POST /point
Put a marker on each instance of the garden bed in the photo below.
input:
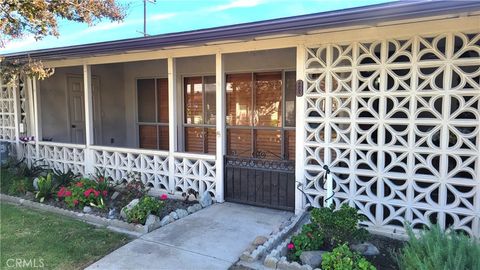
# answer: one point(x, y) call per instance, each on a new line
point(97, 199)
point(309, 244)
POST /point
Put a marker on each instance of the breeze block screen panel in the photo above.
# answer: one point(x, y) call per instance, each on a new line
point(398, 123)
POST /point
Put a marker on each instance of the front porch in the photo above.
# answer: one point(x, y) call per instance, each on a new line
point(158, 119)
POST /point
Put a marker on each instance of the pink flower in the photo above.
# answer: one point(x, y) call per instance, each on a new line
point(79, 184)
point(75, 202)
point(163, 197)
point(96, 193)
point(88, 192)
point(290, 246)
point(104, 193)
point(61, 192)
point(68, 193)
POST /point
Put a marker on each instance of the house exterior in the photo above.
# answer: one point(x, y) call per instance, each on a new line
point(387, 96)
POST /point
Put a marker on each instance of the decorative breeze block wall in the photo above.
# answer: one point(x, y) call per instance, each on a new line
point(398, 122)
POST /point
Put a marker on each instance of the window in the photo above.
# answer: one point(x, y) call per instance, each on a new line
point(152, 104)
point(261, 115)
point(200, 110)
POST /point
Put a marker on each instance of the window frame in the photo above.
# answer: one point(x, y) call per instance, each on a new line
point(157, 124)
point(203, 126)
point(254, 127)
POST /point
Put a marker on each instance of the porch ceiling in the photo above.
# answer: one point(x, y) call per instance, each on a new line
point(297, 25)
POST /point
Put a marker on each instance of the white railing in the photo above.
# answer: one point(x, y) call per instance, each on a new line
point(59, 156)
point(194, 171)
point(191, 171)
point(118, 163)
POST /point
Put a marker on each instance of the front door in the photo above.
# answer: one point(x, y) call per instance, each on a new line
point(260, 165)
point(76, 105)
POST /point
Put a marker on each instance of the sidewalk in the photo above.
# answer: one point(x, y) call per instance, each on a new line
point(213, 238)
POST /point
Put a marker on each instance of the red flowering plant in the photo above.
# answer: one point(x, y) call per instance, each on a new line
point(84, 192)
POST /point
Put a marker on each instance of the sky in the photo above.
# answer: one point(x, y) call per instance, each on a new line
point(168, 16)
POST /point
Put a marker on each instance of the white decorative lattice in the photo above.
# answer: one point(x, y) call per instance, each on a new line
point(152, 168)
point(60, 157)
point(398, 122)
point(7, 113)
point(195, 173)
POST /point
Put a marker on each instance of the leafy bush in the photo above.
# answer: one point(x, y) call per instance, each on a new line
point(20, 186)
point(45, 187)
point(310, 238)
point(135, 189)
point(342, 258)
point(435, 249)
point(84, 192)
point(23, 170)
point(146, 206)
point(63, 178)
point(339, 226)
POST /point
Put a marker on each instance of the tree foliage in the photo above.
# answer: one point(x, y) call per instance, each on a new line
point(38, 18)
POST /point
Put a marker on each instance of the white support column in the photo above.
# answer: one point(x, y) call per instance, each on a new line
point(220, 124)
point(17, 116)
point(89, 134)
point(172, 122)
point(300, 132)
point(37, 116)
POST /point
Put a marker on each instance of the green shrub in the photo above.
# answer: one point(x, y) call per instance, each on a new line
point(20, 186)
point(146, 206)
point(435, 250)
point(45, 187)
point(310, 238)
point(339, 226)
point(342, 258)
point(63, 178)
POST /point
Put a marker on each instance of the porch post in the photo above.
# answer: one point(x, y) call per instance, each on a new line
point(37, 116)
point(172, 122)
point(89, 135)
point(220, 124)
point(17, 116)
point(300, 132)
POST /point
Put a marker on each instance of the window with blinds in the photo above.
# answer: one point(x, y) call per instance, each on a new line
point(152, 113)
point(199, 114)
point(261, 115)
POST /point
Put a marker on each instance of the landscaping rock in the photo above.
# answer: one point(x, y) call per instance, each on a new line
point(270, 262)
point(295, 266)
point(129, 206)
point(173, 215)
point(366, 249)
point(197, 207)
point(87, 209)
point(112, 214)
point(151, 220)
point(260, 240)
point(115, 195)
point(312, 258)
point(166, 220)
point(191, 198)
point(191, 209)
point(35, 183)
point(29, 195)
point(181, 213)
point(206, 199)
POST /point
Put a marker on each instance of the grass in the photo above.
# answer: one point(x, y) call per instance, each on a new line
point(55, 241)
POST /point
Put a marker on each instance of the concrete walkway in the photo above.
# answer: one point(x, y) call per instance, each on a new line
point(213, 238)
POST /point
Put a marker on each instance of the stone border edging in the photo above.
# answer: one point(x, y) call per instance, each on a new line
point(276, 259)
point(273, 240)
point(116, 225)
